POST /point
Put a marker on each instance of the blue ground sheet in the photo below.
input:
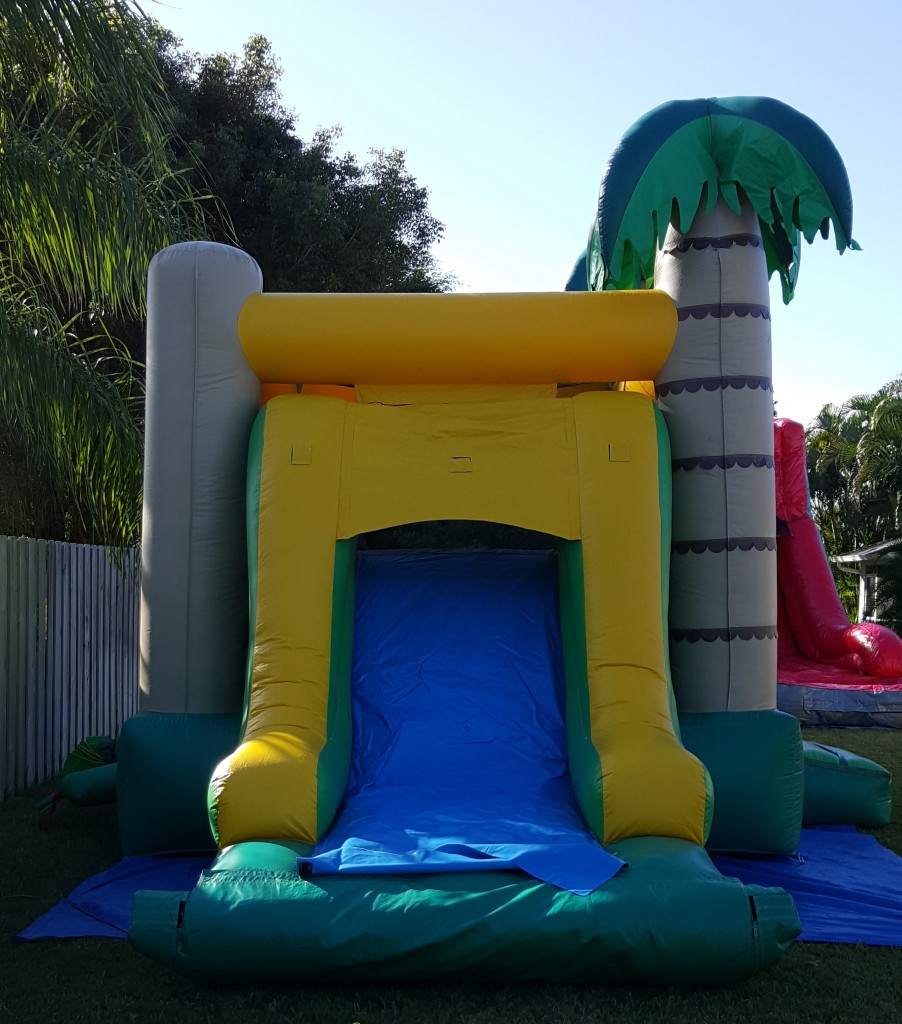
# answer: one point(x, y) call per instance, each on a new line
point(847, 887)
point(459, 761)
point(102, 906)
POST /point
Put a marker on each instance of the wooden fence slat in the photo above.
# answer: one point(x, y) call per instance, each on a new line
point(114, 595)
point(76, 705)
point(55, 658)
point(65, 626)
point(105, 576)
point(26, 717)
point(29, 675)
point(76, 642)
point(93, 675)
point(83, 680)
point(88, 680)
point(5, 679)
point(15, 670)
point(99, 725)
point(118, 618)
point(43, 706)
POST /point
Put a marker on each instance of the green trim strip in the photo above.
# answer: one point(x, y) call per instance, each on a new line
point(665, 504)
point(335, 757)
point(585, 762)
point(254, 471)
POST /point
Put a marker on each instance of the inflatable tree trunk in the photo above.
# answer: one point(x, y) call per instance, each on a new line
point(716, 396)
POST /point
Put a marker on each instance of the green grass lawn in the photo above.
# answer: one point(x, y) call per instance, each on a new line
point(102, 981)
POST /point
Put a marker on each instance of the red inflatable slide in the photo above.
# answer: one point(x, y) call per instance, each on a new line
point(829, 672)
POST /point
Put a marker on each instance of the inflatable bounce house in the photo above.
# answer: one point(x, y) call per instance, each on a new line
point(505, 753)
point(828, 671)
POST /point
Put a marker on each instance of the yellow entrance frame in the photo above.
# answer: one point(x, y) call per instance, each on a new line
point(585, 469)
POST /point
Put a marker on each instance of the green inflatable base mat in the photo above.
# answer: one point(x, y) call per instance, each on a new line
point(669, 918)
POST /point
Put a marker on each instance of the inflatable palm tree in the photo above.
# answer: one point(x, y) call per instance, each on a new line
point(706, 199)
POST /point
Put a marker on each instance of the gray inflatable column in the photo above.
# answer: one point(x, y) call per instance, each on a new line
point(716, 396)
point(201, 401)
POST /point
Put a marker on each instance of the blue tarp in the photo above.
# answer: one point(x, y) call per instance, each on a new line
point(102, 906)
point(460, 752)
point(847, 887)
point(472, 641)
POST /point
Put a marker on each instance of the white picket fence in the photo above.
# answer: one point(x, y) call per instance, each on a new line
point(68, 653)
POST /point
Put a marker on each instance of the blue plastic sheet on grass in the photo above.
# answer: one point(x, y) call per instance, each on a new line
point(495, 791)
point(846, 886)
point(459, 756)
point(102, 906)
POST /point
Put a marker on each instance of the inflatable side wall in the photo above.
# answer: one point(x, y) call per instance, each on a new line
point(201, 401)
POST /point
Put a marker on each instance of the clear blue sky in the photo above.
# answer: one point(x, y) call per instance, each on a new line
point(509, 110)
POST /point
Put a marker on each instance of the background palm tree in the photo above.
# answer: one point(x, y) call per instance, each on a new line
point(706, 199)
point(879, 475)
point(88, 193)
point(855, 477)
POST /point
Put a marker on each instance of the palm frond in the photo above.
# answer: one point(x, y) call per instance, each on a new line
point(691, 152)
point(70, 443)
point(827, 420)
point(887, 415)
point(83, 226)
point(92, 53)
point(89, 190)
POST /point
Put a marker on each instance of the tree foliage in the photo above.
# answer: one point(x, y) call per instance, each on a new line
point(855, 476)
point(314, 219)
point(88, 181)
point(112, 140)
point(72, 468)
point(89, 190)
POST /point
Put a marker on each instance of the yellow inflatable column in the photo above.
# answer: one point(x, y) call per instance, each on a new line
point(651, 785)
point(281, 782)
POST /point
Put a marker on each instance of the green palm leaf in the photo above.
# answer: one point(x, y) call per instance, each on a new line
point(88, 187)
point(70, 439)
point(685, 153)
point(89, 192)
point(92, 55)
point(82, 226)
